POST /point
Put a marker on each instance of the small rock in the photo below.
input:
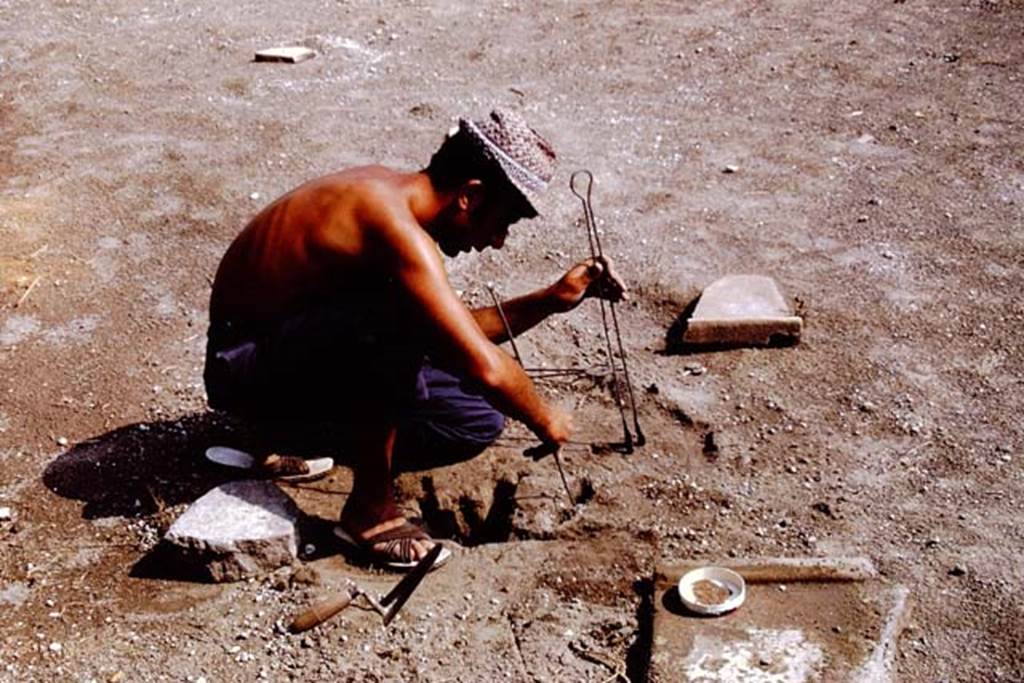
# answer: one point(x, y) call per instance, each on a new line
point(116, 677)
point(254, 196)
point(958, 570)
point(304, 575)
point(56, 647)
point(5, 514)
point(824, 508)
point(62, 441)
point(862, 218)
point(730, 168)
point(237, 530)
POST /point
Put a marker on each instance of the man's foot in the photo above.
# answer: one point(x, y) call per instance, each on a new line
point(396, 543)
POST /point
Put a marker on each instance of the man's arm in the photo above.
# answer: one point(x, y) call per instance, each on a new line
point(592, 277)
point(454, 337)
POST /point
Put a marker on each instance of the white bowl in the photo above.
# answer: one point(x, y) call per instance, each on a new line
point(719, 576)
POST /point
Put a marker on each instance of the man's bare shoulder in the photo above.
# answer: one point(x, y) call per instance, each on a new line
point(351, 185)
point(361, 212)
point(381, 206)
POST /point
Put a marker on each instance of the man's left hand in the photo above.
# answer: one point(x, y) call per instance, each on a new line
point(593, 277)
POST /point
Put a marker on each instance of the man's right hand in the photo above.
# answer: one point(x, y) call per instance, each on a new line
point(558, 428)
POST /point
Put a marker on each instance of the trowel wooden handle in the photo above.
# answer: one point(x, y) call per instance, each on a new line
point(320, 612)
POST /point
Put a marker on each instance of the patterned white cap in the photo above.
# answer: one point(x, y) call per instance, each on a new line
point(527, 159)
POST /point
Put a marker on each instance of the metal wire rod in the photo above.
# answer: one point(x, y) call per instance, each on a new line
point(504, 321)
point(597, 254)
point(567, 371)
point(561, 472)
point(519, 359)
point(640, 438)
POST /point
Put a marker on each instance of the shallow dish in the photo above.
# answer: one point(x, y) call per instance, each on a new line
point(712, 590)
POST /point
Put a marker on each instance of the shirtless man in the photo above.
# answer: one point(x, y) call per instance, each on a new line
point(334, 304)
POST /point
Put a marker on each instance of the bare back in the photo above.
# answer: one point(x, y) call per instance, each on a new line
point(307, 248)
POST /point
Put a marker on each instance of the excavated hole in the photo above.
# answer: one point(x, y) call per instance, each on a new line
point(587, 491)
point(710, 447)
point(472, 529)
point(585, 494)
point(464, 523)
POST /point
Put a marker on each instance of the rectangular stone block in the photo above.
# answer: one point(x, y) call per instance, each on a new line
point(803, 620)
point(741, 310)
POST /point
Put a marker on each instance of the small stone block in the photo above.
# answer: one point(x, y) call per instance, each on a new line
point(742, 310)
point(237, 530)
point(291, 55)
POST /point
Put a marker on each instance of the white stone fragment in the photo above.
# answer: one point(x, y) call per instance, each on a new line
point(237, 530)
point(291, 55)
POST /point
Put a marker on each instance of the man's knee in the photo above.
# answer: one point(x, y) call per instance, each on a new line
point(485, 427)
point(458, 434)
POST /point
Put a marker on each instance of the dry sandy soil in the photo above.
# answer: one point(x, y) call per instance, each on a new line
point(880, 181)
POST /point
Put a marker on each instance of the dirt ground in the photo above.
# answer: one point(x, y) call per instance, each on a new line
point(879, 179)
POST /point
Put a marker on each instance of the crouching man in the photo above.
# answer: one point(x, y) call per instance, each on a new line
point(333, 304)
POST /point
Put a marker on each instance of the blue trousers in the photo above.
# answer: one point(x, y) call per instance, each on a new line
point(336, 366)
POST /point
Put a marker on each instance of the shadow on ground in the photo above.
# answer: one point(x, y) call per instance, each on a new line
point(140, 469)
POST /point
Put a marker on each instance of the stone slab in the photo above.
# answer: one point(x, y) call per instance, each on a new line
point(291, 55)
point(237, 530)
point(826, 621)
point(742, 310)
